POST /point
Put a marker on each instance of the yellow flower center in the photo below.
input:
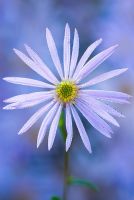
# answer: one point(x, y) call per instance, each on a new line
point(66, 91)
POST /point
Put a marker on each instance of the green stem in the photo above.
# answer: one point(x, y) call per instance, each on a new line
point(66, 159)
point(66, 155)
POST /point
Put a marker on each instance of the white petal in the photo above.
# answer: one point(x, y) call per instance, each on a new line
point(94, 119)
point(34, 96)
point(66, 50)
point(113, 96)
point(81, 129)
point(47, 74)
point(53, 52)
point(86, 56)
point(28, 82)
point(92, 64)
point(35, 117)
point(104, 77)
point(95, 106)
point(53, 127)
point(47, 120)
point(69, 128)
point(75, 53)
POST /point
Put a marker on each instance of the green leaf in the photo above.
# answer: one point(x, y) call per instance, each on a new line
point(81, 182)
point(55, 198)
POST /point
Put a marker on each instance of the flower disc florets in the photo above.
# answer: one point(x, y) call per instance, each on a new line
point(66, 91)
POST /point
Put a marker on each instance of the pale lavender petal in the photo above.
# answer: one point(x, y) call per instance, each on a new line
point(26, 104)
point(28, 82)
point(34, 96)
point(53, 52)
point(66, 55)
point(35, 117)
point(47, 120)
point(106, 107)
point(95, 106)
point(81, 129)
point(10, 106)
point(86, 56)
point(103, 77)
point(47, 74)
point(112, 96)
point(53, 127)
point(94, 119)
point(75, 53)
point(28, 62)
point(69, 127)
point(110, 110)
point(92, 64)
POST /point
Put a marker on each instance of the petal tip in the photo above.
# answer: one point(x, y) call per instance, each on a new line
point(38, 144)
point(20, 132)
point(26, 46)
point(15, 50)
point(49, 148)
point(89, 150)
point(115, 46)
point(5, 101)
point(4, 108)
point(100, 40)
point(47, 30)
point(118, 125)
point(109, 136)
point(67, 26)
point(5, 78)
point(67, 148)
point(125, 69)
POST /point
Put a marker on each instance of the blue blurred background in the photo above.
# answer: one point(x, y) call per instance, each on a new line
point(27, 173)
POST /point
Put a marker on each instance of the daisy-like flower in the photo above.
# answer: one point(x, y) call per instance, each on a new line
point(69, 91)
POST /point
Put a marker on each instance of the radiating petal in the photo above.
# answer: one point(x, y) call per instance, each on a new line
point(94, 119)
point(35, 117)
point(29, 62)
point(35, 67)
point(112, 96)
point(47, 120)
point(92, 64)
point(75, 53)
point(28, 82)
point(86, 56)
point(103, 77)
point(81, 129)
point(47, 74)
point(30, 97)
point(110, 110)
point(66, 50)
point(53, 127)
point(53, 52)
point(26, 104)
point(106, 107)
point(69, 127)
point(95, 106)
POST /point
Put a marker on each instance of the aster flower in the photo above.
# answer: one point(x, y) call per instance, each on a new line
point(69, 91)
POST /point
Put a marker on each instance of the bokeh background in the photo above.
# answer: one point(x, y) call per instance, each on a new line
point(27, 173)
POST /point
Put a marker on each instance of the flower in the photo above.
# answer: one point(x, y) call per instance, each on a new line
point(70, 91)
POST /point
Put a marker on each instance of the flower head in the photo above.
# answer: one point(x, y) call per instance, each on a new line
point(70, 92)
